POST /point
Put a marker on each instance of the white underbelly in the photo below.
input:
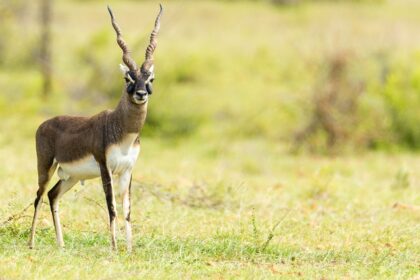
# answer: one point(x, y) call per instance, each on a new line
point(85, 168)
point(120, 158)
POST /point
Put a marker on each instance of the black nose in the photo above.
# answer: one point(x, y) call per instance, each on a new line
point(141, 94)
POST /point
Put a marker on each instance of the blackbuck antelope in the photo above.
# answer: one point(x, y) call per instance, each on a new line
point(105, 145)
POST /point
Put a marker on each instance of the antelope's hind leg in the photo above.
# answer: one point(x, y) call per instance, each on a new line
point(60, 188)
point(45, 172)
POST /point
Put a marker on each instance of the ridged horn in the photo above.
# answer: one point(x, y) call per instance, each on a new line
point(153, 42)
point(131, 64)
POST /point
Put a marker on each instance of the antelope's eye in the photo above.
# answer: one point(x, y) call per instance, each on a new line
point(126, 79)
point(152, 80)
point(149, 88)
point(130, 88)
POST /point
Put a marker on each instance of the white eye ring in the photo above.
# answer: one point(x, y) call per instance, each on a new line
point(129, 78)
point(151, 77)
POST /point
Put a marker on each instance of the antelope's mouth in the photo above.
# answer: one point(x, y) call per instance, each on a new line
point(140, 100)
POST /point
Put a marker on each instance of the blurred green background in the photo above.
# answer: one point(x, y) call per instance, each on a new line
point(281, 141)
point(310, 76)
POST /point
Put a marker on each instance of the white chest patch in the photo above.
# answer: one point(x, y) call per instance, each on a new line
point(122, 156)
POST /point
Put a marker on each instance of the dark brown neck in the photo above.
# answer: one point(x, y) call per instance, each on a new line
point(130, 117)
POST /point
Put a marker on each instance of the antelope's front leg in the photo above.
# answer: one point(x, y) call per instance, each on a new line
point(106, 177)
point(125, 187)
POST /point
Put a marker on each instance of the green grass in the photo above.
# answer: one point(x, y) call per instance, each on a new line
point(336, 216)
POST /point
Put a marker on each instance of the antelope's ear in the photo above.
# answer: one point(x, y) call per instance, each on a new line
point(124, 69)
point(126, 72)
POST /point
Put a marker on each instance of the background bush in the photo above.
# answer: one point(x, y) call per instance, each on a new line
point(231, 76)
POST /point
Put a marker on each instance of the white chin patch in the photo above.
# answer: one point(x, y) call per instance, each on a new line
point(139, 102)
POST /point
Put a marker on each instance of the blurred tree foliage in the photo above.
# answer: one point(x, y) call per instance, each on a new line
point(375, 112)
point(9, 12)
point(401, 93)
point(100, 76)
point(204, 90)
point(45, 45)
point(335, 107)
point(294, 2)
point(13, 23)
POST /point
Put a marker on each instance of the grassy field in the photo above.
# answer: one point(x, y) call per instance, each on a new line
point(207, 211)
point(217, 193)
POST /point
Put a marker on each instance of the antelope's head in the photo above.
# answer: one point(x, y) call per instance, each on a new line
point(138, 80)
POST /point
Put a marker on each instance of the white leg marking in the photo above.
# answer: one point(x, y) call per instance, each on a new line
point(124, 183)
point(113, 234)
point(39, 205)
point(33, 229)
point(109, 191)
point(64, 187)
